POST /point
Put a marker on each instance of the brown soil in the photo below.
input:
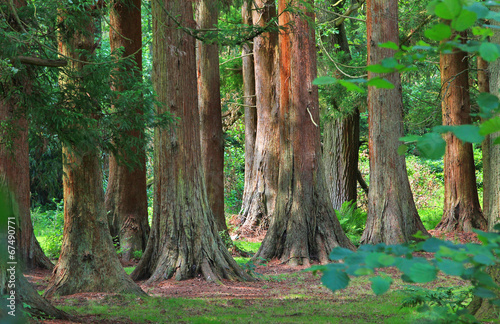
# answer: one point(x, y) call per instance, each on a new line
point(274, 287)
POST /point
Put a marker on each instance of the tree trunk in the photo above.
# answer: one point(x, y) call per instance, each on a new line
point(340, 156)
point(483, 84)
point(341, 139)
point(14, 168)
point(392, 215)
point(304, 226)
point(481, 308)
point(16, 292)
point(88, 261)
point(249, 99)
point(492, 192)
point(212, 142)
point(184, 241)
point(260, 190)
point(126, 198)
point(462, 211)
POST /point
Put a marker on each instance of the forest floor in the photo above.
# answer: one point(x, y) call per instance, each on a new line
point(283, 294)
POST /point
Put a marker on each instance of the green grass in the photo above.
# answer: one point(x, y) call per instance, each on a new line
point(356, 304)
point(430, 217)
point(251, 247)
point(129, 270)
point(288, 309)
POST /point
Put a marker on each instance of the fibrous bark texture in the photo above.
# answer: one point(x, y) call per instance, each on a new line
point(14, 165)
point(304, 226)
point(17, 293)
point(341, 137)
point(260, 188)
point(88, 261)
point(212, 143)
point(482, 308)
point(340, 156)
point(483, 85)
point(184, 241)
point(126, 198)
point(462, 211)
point(392, 215)
point(248, 71)
point(492, 191)
point(14, 170)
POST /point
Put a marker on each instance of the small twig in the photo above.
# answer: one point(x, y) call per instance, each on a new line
point(420, 26)
point(342, 17)
point(235, 58)
point(310, 115)
point(320, 42)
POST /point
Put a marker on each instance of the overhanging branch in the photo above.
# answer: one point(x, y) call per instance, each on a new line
point(41, 62)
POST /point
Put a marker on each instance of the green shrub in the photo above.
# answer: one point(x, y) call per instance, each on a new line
point(352, 220)
point(48, 227)
point(443, 304)
point(137, 254)
point(234, 168)
point(468, 261)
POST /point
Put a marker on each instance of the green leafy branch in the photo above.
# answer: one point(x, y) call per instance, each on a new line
point(467, 261)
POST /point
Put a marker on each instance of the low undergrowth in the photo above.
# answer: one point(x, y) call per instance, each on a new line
point(289, 309)
point(286, 297)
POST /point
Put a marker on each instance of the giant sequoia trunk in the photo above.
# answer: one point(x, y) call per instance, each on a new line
point(14, 169)
point(481, 307)
point(483, 85)
point(462, 211)
point(260, 188)
point(248, 71)
point(392, 215)
point(492, 194)
point(341, 138)
point(184, 241)
point(126, 198)
point(340, 156)
point(88, 261)
point(25, 297)
point(304, 226)
point(14, 166)
point(212, 146)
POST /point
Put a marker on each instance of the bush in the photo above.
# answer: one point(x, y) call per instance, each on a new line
point(48, 227)
point(234, 169)
point(471, 262)
point(352, 220)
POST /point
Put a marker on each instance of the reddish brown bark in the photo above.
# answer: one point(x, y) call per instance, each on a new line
point(249, 95)
point(212, 143)
point(184, 241)
point(483, 85)
point(126, 198)
point(260, 190)
point(25, 298)
point(482, 308)
point(341, 137)
point(462, 211)
point(340, 155)
point(88, 261)
point(491, 173)
point(14, 212)
point(304, 226)
point(392, 216)
point(14, 166)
